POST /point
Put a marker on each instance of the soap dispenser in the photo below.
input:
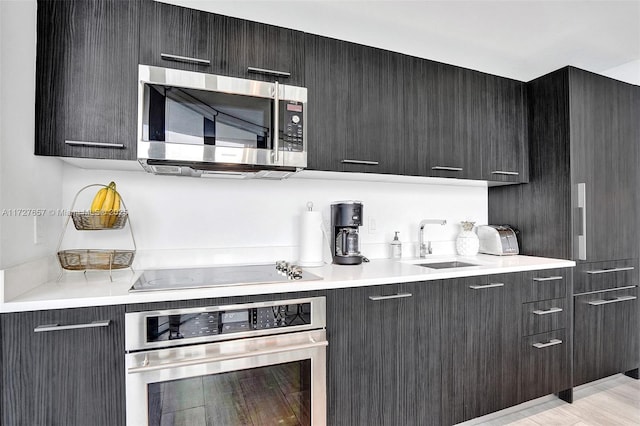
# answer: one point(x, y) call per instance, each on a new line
point(396, 247)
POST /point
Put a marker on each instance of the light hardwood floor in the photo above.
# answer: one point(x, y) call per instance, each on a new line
point(614, 401)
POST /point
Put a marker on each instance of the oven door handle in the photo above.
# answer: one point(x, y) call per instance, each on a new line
point(147, 366)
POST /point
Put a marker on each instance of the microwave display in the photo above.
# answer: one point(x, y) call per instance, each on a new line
point(203, 117)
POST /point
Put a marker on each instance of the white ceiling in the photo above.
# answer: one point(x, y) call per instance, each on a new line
point(511, 38)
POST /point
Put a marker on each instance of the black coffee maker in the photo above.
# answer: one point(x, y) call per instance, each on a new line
point(346, 218)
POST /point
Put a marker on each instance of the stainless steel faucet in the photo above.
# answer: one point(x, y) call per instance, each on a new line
point(426, 249)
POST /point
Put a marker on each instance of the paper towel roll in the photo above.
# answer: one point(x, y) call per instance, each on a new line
point(311, 242)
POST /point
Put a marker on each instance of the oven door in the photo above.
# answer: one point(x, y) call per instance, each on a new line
point(277, 379)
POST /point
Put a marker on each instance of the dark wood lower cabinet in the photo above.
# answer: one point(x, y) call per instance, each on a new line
point(606, 334)
point(384, 355)
point(480, 348)
point(63, 377)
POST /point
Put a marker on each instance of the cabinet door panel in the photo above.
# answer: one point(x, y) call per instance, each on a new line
point(545, 366)
point(169, 31)
point(604, 150)
point(383, 365)
point(606, 334)
point(326, 71)
point(480, 345)
point(65, 377)
point(86, 73)
point(505, 153)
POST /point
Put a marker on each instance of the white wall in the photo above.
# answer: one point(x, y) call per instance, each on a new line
point(180, 212)
point(26, 181)
point(629, 72)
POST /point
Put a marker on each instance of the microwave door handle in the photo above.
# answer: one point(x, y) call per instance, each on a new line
point(276, 121)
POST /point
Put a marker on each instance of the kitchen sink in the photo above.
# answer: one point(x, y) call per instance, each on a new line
point(446, 265)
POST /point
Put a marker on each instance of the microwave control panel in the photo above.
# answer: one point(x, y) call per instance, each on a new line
point(293, 127)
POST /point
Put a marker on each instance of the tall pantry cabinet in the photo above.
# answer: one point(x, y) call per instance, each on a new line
point(581, 204)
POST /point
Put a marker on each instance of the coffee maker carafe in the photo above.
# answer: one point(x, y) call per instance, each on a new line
point(346, 218)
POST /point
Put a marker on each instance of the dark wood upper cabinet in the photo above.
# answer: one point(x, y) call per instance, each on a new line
point(355, 101)
point(86, 72)
point(503, 130)
point(463, 123)
point(583, 136)
point(183, 38)
point(64, 377)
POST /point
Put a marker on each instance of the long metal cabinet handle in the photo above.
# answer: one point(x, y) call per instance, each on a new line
point(551, 342)
point(502, 172)
point(582, 236)
point(451, 169)
point(206, 360)
point(268, 72)
point(480, 287)
point(616, 300)
point(547, 312)
point(57, 327)
point(393, 296)
point(606, 271)
point(555, 278)
point(95, 144)
point(276, 121)
point(178, 58)
point(365, 162)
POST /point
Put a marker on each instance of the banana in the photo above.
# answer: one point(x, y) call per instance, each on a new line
point(98, 200)
point(115, 209)
point(107, 206)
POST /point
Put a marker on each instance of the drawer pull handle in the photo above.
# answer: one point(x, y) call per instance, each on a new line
point(57, 327)
point(365, 162)
point(548, 278)
point(188, 60)
point(606, 271)
point(95, 144)
point(393, 296)
point(616, 300)
point(551, 342)
point(547, 312)
point(268, 72)
point(480, 287)
point(501, 172)
point(448, 168)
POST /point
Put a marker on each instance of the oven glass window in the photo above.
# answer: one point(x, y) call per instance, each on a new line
point(273, 395)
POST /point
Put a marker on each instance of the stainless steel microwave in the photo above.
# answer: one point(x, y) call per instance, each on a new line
point(196, 124)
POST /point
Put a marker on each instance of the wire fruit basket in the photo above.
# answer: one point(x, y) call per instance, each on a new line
point(96, 259)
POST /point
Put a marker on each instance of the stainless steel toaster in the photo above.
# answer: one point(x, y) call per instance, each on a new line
point(499, 240)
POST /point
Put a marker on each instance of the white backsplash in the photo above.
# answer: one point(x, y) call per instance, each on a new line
point(178, 213)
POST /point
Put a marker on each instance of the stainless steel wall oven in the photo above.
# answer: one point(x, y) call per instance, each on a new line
point(247, 364)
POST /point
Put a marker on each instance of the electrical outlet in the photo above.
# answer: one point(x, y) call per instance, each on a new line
point(372, 226)
point(38, 230)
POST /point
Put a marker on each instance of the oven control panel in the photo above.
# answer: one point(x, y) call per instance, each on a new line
point(220, 321)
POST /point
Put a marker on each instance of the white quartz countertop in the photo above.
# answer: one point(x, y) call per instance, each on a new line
point(94, 288)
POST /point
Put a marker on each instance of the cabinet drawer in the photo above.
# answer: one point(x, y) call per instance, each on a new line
point(605, 334)
point(545, 364)
point(547, 284)
point(543, 316)
point(595, 276)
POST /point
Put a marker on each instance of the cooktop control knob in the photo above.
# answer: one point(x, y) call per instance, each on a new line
point(292, 272)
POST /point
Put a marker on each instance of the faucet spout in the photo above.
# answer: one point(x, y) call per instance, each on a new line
point(426, 248)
